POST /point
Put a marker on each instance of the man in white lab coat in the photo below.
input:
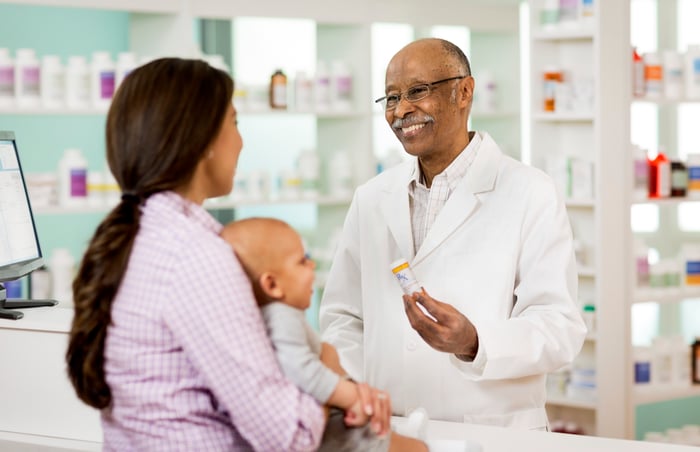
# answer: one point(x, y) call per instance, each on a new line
point(488, 239)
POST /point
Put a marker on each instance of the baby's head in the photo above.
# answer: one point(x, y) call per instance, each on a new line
point(273, 256)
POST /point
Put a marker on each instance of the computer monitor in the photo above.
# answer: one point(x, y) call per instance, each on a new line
point(20, 253)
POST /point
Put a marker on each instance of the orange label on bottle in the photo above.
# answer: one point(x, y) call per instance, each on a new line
point(653, 72)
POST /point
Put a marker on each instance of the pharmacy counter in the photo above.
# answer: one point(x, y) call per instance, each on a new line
point(39, 411)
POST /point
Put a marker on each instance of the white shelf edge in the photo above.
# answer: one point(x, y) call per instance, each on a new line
point(212, 205)
point(664, 100)
point(571, 402)
point(59, 111)
point(586, 271)
point(496, 114)
point(665, 295)
point(580, 203)
point(135, 6)
point(665, 201)
point(574, 33)
point(563, 117)
point(643, 394)
point(247, 111)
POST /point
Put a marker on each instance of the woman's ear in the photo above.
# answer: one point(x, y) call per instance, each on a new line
point(270, 286)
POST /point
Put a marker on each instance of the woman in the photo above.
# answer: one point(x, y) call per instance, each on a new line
point(167, 340)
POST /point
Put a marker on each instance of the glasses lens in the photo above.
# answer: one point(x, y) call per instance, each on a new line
point(417, 92)
point(391, 101)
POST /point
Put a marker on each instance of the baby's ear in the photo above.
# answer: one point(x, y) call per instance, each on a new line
point(270, 287)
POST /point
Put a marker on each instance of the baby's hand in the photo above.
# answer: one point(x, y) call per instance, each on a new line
point(355, 415)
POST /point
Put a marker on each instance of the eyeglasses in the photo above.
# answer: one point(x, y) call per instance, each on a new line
point(412, 94)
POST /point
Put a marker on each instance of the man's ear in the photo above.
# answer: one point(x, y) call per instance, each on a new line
point(268, 284)
point(467, 91)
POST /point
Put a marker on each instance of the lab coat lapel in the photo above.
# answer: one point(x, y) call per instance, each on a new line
point(396, 212)
point(463, 202)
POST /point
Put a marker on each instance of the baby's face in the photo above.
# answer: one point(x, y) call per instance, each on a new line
point(296, 271)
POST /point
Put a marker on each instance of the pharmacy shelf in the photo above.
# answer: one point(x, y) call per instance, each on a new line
point(339, 114)
point(59, 111)
point(665, 101)
point(665, 201)
point(643, 394)
point(559, 400)
point(556, 117)
point(580, 203)
point(142, 6)
point(242, 110)
point(565, 34)
point(666, 294)
point(214, 204)
point(586, 272)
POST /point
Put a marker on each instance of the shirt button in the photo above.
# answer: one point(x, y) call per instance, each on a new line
point(411, 345)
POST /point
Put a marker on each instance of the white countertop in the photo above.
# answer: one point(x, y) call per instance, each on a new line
point(46, 318)
point(57, 319)
point(491, 439)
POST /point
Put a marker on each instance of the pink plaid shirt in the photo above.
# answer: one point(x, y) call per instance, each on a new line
point(188, 359)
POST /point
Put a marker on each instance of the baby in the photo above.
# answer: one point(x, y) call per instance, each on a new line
point(282, 275)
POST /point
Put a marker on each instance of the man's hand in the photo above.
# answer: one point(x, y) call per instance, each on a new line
point(450, 332)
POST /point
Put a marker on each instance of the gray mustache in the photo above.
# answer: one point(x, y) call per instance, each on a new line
point(407, 122)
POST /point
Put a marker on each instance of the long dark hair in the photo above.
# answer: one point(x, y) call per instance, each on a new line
point(160, 124)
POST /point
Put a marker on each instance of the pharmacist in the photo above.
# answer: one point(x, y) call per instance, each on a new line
point(487, 238)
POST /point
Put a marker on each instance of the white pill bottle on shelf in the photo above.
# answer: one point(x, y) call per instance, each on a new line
point(126, 62)
point(77, 83)
point(7, 78)
point(27, 78)
point(102, 79)
point(52, 82)
point(72, 178)
point(691, 72)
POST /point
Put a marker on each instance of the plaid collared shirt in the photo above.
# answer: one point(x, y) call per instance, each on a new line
point(426, 203)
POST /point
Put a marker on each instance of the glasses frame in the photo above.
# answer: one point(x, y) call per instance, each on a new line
point(402, 95)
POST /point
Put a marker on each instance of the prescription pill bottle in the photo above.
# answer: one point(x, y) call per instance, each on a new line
point(404, 275)
point(551, 78)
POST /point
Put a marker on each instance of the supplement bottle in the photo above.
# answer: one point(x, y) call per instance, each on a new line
point(72, 178)
point(102, 79)
point(7, 78)
point(659, 176)
point(640, 189)
point(638, 89)
point(692, 72)
point(322, 87)
point(653, 75)
point(674, 87)
point(27, 78)
point(679, 178)
point(341, 86)
point(693, 167)
point(52, 82)
point(77, 82)
point(278, 90)
point(551, 78)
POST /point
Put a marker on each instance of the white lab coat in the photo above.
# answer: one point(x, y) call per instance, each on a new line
point(500, 251)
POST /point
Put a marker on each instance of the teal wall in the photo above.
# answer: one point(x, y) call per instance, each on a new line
point(657, 417)
point(42, 138)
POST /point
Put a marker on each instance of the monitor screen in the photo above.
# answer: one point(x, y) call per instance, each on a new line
point(20, 253)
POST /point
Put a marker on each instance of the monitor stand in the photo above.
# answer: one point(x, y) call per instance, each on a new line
point(7, 307)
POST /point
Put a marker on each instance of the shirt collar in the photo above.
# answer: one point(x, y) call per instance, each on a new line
point(456, 170)
point(173, 201)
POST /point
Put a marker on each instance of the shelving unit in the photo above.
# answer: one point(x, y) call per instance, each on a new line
point(590, 51)
point(603, 222)
point(344, 31)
